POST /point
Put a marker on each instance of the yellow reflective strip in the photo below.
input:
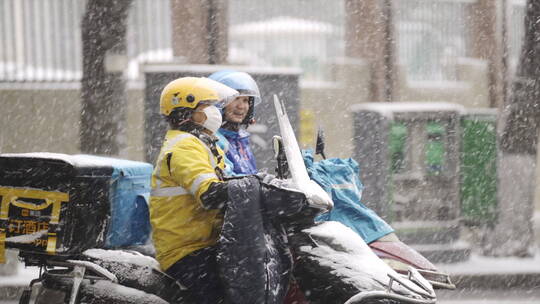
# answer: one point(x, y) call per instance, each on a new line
point(51, 243)
point(169, 191)
point(55, 214)
point(199, 180)
point(2, 246)
point(3, 216)
point(4, 208)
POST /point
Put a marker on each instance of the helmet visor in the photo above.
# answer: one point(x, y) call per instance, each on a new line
point(240, 81)
point(225, 94)
point(255, 95)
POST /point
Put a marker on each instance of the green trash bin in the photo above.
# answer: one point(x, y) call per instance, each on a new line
point(397, 140)
point(435, 148)
point(479, 167)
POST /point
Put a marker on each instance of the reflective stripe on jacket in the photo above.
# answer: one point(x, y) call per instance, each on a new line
point(184, 170)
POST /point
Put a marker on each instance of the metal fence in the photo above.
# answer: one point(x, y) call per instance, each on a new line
point(430, 36)
point(40, 40)
point(308, 34)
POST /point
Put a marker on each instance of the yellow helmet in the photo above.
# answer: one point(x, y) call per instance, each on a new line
point(189, 92)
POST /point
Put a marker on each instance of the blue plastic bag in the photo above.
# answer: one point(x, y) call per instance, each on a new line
point(339, 178)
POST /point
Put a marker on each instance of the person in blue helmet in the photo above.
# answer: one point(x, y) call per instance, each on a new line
point(237, 116)
point(234, 139)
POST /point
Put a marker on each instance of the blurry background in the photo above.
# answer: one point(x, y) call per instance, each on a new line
point(348, 51)
point(341, 53)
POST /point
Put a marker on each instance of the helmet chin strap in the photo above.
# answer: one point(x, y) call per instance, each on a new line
point(184, 121)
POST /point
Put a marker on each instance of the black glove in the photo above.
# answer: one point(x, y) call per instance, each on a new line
point(216, 196)
point(278, 199)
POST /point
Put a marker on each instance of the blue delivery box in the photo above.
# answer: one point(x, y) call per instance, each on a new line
point(59, 204)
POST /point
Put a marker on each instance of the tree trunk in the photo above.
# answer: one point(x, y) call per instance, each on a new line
point(518, 139)
point(205, 41)
point(369, 35)
point(103, 87)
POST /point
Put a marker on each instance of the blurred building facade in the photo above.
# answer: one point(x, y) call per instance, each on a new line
point(350, 51)
point(41, 39)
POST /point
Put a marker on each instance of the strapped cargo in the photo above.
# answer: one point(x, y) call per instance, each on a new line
point(60, 205)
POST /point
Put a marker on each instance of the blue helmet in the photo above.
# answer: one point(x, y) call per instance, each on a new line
point(244, 84)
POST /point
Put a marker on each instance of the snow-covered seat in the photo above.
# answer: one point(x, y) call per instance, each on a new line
point(138, 271)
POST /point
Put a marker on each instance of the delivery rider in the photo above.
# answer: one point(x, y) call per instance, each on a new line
point(188, 191)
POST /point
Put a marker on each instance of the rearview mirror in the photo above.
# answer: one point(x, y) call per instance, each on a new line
point(282, 169)
point(319, 146)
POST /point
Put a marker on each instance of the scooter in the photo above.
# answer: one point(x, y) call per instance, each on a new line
point(333, 264)
point(327, 266)
point(127, 276)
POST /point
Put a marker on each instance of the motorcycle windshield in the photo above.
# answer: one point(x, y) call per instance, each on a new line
point(225, 94)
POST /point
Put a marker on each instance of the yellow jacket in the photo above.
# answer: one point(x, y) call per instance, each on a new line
point(180, 225)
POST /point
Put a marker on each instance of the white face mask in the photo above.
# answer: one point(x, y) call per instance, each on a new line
point(213, 119)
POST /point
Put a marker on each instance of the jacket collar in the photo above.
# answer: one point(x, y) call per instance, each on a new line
point(242, 133)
